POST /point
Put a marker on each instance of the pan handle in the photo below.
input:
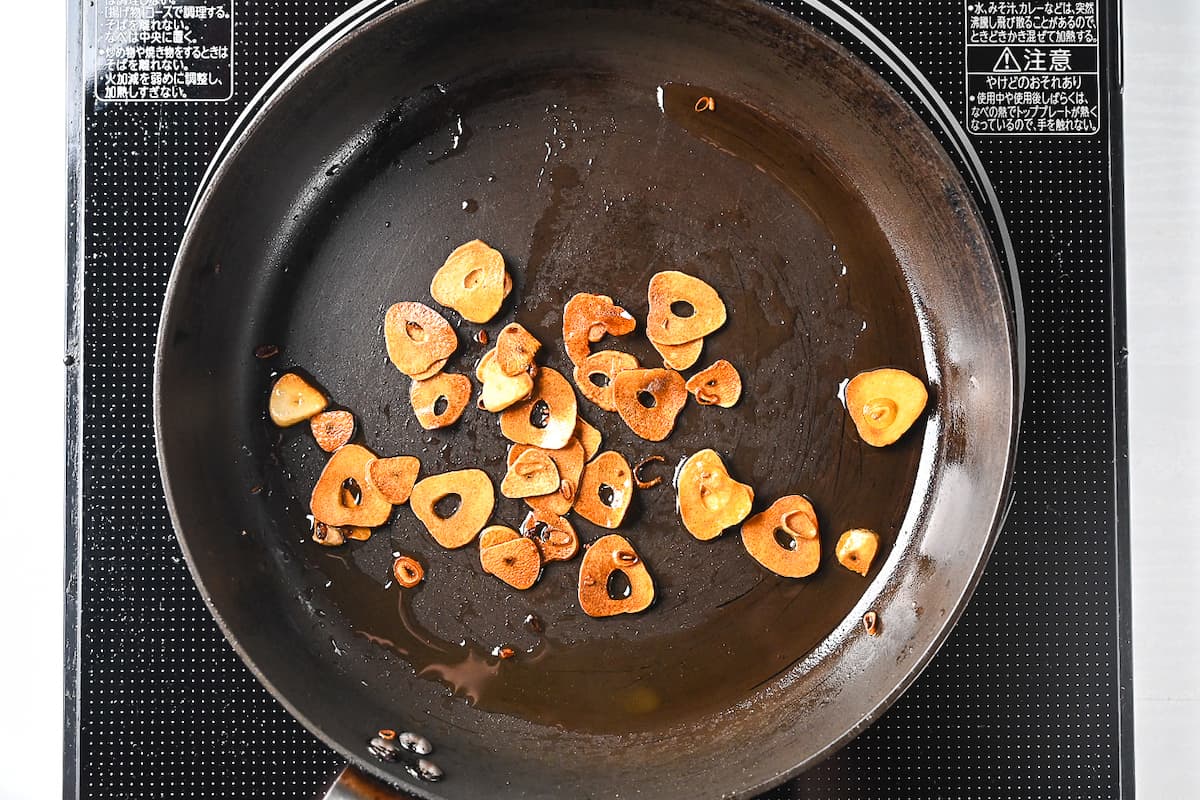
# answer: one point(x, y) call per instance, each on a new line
point(353, 784)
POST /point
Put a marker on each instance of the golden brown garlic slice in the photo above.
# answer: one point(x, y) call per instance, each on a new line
point(649, 400)
point(884, 403)
point(393, 477)
point(471, 281)
point(716, 385)
point(476, 499)
point(334, 535)
point(709, 500)
point(605, 490)
point(294, 400)
point(439, 401)
point(555, 537)
point(332, 429)
point(407, 571)
point(784, 538)
point(417, 339)
point(496, 534)
point(327, 535)
point(589, 437)
point(683, 309)
point(356, 532)
point(434, 369)
point(515, 561)
point(500, 390)
point(569, 460)
point(594, 376)
point(344, 495)
point(531, 474)
point(856, 549)
point(586, 320)
point(547, 417)
point(679, 356)
point(599, 594)
point(516, 349)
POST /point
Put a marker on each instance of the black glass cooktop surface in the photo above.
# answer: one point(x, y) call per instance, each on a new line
point(1029, 697)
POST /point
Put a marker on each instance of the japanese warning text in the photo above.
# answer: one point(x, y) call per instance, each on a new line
point(149, 50)
point(1033, 67)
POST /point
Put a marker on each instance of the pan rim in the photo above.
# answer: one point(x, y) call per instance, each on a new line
point(371, 13)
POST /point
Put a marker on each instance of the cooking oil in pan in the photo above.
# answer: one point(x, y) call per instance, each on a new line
point(801, 265)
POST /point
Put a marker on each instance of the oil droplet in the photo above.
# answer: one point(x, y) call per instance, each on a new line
point(427, 770)
point(415, 742)
point(640, 700)
point(470, 205)
point(384, 749)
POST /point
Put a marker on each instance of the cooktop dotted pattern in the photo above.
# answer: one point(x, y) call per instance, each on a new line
point(1028, 698)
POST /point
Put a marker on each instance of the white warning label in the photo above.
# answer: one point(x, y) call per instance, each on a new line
point(1033, 68)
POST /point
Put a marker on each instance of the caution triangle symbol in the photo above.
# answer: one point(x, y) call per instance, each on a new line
point(1007, 62)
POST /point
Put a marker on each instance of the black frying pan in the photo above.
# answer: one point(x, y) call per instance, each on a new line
point(565, 134)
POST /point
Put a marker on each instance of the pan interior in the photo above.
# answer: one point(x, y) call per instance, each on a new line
point(592, 182)
point(816, 203)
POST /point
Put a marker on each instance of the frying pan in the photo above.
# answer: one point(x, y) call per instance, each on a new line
point(840, 237)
